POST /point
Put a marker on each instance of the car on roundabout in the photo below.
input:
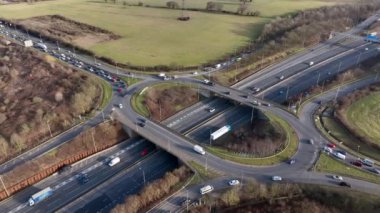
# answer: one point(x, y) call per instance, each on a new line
point(233, 182)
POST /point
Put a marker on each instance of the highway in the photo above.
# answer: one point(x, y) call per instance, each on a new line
point(328, 59)
point(128, 182)
point(66, 186)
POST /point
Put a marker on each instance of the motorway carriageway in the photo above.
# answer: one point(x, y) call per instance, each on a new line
point(66, 186)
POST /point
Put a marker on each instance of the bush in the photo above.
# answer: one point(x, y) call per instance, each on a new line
point(172, 5)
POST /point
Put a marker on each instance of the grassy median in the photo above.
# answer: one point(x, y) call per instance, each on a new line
point(290, 149)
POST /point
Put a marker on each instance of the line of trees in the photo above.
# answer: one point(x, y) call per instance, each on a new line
point(153, 191)
point(284, 34)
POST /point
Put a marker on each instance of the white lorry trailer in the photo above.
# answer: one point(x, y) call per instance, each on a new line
point(40, 196)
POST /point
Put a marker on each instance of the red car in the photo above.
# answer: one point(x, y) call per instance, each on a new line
point(119, 90)
point(332, 146)
point(357, 163)
point(144, 152)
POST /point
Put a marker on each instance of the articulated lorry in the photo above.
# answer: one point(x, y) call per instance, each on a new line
point(40, 196)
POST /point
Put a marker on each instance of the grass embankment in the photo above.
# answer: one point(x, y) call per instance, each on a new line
point(130, 81)
point(330, 165)
point(349, 140)
point(159, 38)
point(364, 116)
point(286, 154)
point(201, 174)
point(138, 104)
point(106, 93)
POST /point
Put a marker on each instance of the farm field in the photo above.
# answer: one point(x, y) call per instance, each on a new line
point(151, 36)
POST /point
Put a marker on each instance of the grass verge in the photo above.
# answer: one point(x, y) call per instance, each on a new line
point(341, 134)
point(130, 81)
point(330, 165)
point(106, 93)
point(286, 154)
point(201, 174)
point(138, 105)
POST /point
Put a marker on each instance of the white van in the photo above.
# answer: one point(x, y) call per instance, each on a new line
point(206, 189)
point(114, 161)
point(339, 155)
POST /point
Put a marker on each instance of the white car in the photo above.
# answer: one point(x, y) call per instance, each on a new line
point(277, 178)
point(121, 106)
point(336, 177)
point(211, 109)
point(195, 73)
point(233, 182)
point(282, 77)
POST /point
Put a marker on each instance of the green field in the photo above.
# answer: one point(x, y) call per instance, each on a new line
point(267, 8)
point(151, 36)
point(330, 165)
point(364, 117)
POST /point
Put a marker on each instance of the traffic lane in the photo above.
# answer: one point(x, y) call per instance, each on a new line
point(326, 179)
point(183, 122)
point(74, 189)
point(305, 68)
point(125, 183)
point(234, 117)
point(182, 148)
point(305, 80)
point(57, 178)
point(131, 152)
point(176, 203)
point(260, 79)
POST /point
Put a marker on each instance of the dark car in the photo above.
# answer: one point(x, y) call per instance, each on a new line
point(144, 152)
point(292, 161)
point(345, 184)
point(357, 163)
point(83, 178)
point(64, 169)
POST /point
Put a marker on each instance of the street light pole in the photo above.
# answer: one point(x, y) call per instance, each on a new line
point(5, 188)
point(287, 93)
point(51, 135)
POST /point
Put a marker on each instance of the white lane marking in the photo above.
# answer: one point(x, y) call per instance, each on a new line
point(77, 175)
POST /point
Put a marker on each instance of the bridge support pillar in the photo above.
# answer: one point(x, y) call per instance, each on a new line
point(131, 133)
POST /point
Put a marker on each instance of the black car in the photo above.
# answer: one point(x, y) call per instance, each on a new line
point(83, 178)
point(64, 169)
point(345, 184)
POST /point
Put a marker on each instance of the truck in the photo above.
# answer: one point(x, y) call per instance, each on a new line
point(199, 149)
point(40, 196)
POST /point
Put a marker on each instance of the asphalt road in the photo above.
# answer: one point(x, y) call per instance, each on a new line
point(128, 182)
point(66, 187)
point(167, 138)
